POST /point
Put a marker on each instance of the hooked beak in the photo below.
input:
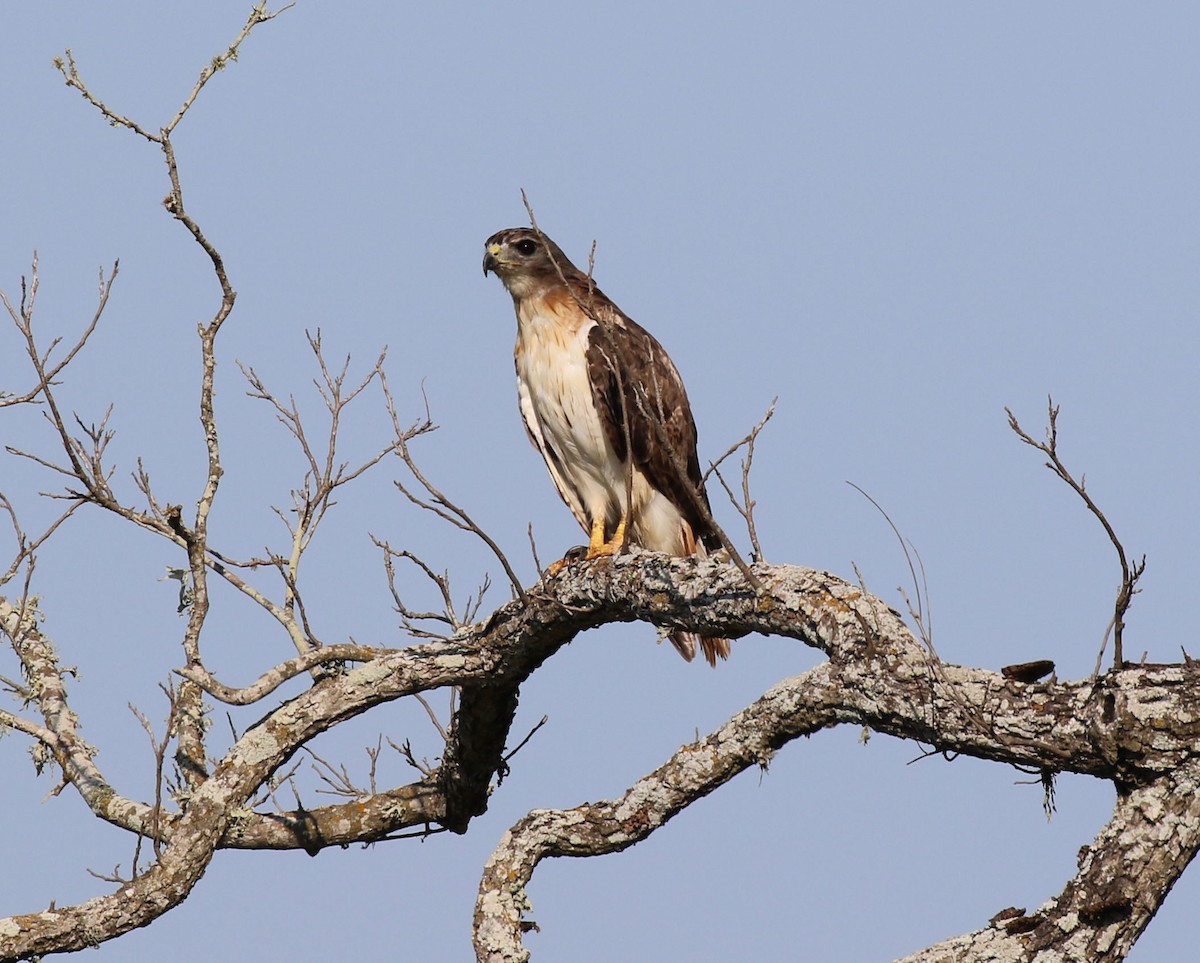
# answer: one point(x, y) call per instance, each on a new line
point(490, 262)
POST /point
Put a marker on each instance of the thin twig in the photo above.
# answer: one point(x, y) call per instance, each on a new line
point(745, 507)
point(1130, 573)
point(23, 319)
point(432, 716)
point(455, 515)
point(922, 615)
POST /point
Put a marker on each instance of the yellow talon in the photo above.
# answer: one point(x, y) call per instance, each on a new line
point(598, 547)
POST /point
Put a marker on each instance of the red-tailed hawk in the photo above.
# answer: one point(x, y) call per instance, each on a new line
point(594, 385)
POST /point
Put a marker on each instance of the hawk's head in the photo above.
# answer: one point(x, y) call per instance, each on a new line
point(525, 260)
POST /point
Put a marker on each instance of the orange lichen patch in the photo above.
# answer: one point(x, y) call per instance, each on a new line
point(838, 605)
point(636, 823)
point(27, 921)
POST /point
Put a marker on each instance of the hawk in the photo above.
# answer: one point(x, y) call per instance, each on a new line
point(607, 409)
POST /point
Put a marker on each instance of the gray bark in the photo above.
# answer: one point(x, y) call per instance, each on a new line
point(1135, 727)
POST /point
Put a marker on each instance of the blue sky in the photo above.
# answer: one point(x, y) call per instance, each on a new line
point(897, 218)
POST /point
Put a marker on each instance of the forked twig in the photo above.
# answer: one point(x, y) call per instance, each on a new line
point(1130, 573)
point(66, 66)
point(441, 505)
point(745, 507)
point(448, 615)
point(337, 778)
point(27, 547)
point(22, 317)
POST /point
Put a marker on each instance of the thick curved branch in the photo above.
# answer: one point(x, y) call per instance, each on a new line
point(363, 820)
point(272, 679)
point(879, 676)
point(1135, 726)
point(60, 730)
point(1124, 876)
point(749, 739)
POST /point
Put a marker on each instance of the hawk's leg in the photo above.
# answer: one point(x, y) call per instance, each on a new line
point(598, 547)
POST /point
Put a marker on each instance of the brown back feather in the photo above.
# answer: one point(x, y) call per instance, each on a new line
point(623, 354)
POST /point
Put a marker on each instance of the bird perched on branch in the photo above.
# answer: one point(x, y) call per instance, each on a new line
point(607, 409)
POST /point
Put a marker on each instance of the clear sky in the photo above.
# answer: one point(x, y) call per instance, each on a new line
point(899, 218)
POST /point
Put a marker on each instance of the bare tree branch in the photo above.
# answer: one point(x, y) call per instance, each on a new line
point(745, 507)
point(26, 547)
point(22, 318)
point(445, 509)
point(271, 680)
point(876, 676)
point(1129, 573)
point(862, 684)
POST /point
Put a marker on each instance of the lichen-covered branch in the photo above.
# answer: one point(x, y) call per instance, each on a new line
point(749, 739)
point(1123, 878)
point(1135, 726)
point(273, 678)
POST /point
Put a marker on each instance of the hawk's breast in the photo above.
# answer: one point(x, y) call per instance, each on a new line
point(559, 408)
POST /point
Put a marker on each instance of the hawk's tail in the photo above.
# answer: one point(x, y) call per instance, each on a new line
point(685, 645)
point(685, 642)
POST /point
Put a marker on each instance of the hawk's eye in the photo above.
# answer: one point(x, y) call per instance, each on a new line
point(526, 246)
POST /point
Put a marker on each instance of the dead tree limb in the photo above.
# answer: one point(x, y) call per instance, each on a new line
point(1130, 572)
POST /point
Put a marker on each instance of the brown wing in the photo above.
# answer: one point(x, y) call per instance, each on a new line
point(623, 354)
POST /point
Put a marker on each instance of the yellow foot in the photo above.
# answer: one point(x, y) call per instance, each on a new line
point(598, 547)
